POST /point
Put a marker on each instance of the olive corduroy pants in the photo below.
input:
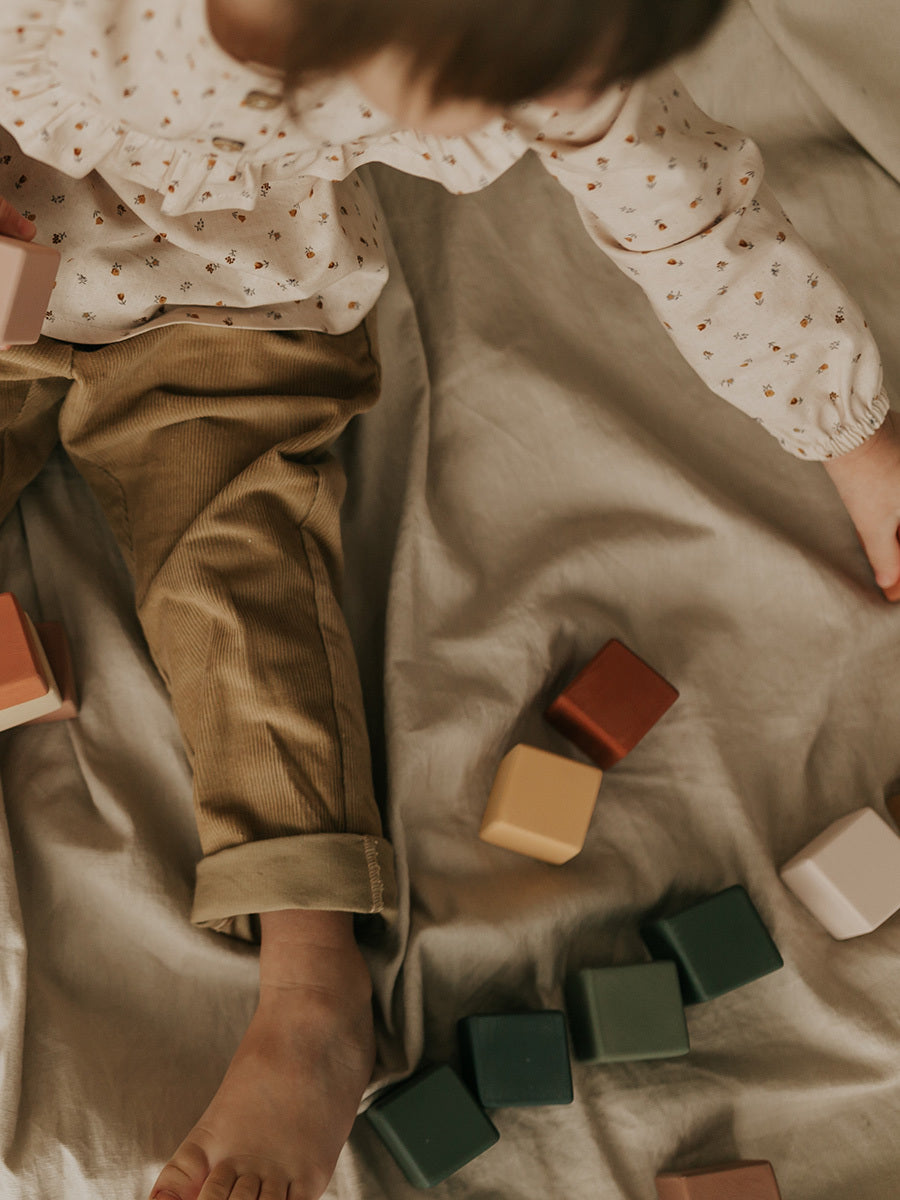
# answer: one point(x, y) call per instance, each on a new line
point(207, 449)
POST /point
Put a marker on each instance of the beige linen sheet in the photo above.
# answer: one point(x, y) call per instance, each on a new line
point(543, 473)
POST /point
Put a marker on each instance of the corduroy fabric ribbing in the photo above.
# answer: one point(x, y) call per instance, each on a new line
point(208, 451)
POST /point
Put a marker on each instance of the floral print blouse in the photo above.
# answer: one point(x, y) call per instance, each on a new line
point(179, 186)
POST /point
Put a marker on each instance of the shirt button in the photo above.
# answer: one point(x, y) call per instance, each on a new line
point(221, 143)
point(263, 100)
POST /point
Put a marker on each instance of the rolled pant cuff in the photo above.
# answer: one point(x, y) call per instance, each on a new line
point(335, 871)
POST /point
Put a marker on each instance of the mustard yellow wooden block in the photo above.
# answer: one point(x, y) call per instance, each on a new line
point(541, 804)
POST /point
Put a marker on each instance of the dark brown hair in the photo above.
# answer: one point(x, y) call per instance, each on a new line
point(497, 51)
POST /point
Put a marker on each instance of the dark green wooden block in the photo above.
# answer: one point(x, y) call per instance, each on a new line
point(517, 1060)
point(718, 945)
point(618, 1014)
point(432, 1125)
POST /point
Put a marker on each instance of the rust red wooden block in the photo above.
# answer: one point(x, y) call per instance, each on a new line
point(611, 704)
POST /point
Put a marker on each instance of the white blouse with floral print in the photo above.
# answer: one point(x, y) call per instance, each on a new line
point(179, 188)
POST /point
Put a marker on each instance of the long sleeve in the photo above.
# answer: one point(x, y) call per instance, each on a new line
point(679, 203)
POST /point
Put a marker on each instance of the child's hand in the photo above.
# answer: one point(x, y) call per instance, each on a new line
point(868, 482)
point(13, 224)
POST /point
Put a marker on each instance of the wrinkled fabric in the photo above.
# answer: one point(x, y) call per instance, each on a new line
point(543, 472)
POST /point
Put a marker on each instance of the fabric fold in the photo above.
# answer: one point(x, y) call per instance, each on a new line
point(344, 872)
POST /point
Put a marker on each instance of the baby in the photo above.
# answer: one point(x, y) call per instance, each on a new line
point(211, 334)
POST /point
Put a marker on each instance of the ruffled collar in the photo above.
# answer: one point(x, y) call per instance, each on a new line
point(151, 100)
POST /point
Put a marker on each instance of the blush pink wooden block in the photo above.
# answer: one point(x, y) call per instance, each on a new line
point(27, 275)
point(753, 1179)
point(849, 876)
point(27, 686)
point(611, 704)
point(56, 647)
point(540, 804)
point(21, 677)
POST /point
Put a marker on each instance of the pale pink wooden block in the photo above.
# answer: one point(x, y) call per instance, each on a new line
point(541, 804)
point(849, 876)
point(27, 275)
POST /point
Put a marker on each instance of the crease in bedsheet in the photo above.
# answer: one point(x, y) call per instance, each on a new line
point(13, 946)
point(850, 63)
point(13, 985)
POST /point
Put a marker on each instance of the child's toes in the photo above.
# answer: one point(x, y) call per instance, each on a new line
point(273, 1190)
point(225, 1183)
point(183, 1175)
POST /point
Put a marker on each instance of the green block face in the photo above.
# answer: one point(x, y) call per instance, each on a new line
point(431, 1125)
point(517, 1060)
point(618, 1014)
point(718, 945)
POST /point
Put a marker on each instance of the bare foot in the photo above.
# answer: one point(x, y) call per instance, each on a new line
point(277, 1124)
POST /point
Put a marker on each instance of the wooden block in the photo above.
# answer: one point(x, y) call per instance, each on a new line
point(27, 275)
point(56, 646)
point(753, 1179)
point(541, 804)
point(517, 1060)
point(27, 686)
point(618, 1014)
point(717, 945)
point(849, 876)
point(21, 678)
point(431, 1125)
point(611, 704)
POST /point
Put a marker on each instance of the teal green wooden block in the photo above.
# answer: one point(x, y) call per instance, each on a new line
point(517, 1060)
point(718, 945)
point(617, 1014)
point(432, 1125)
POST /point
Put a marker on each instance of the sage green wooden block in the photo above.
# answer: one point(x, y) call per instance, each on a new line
point(617, 1014)
point(432, 1125)
point(718, 945)
point(517, 1060)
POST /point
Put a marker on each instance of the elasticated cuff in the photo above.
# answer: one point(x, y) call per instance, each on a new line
point(336, 871)
point(847, 437)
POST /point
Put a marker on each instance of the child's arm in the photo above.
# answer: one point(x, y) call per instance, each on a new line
point(868, 481)
point(677, 200)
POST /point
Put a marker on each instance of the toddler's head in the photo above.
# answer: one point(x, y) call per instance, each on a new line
point(446, 66)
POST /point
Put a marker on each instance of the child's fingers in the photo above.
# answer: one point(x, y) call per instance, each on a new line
point(13, 224)
point(883, 551)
